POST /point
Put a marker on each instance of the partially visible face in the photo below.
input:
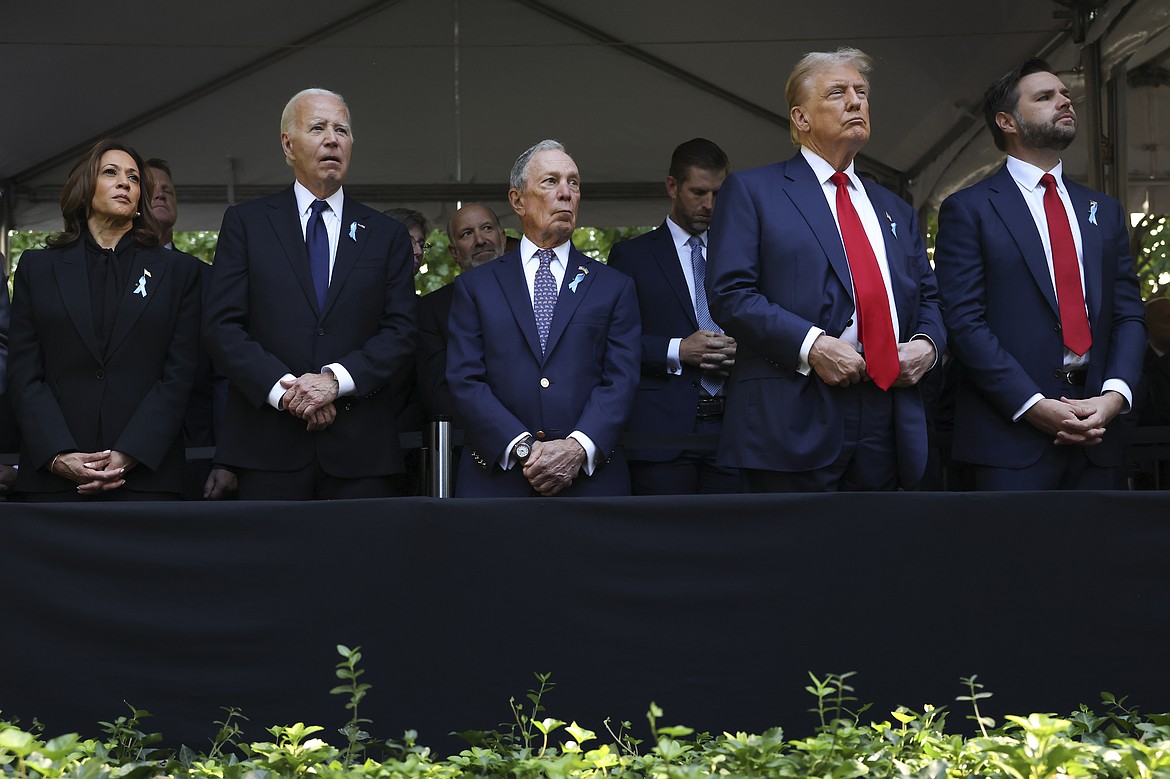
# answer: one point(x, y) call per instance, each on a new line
point(117, 187)
point(319, 143)
point(693, 198)
point(833, 115)
point(547, 206)
point(417, 245)
point(163, 204)
point(476, 237)
point(1044, 116)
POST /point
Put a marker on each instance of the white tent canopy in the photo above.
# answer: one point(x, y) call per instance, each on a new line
point(444, 94)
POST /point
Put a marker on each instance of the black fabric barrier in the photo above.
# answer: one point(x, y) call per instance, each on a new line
point(714, 607)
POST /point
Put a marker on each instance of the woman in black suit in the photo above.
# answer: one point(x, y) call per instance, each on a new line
point(104, 343)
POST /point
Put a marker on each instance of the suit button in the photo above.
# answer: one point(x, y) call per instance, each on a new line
point(101, 374)
point(849, 323)
point(1058, 374)
point(348, 406)
point(1056, 327)
point(694, 384)
point(544, 383)
point(540, 434)
point(320, 331)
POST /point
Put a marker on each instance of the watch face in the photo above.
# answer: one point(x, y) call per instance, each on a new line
point(522, 451)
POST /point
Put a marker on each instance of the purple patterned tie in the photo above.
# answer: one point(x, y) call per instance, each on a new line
point(544, 295)
point(710, 384)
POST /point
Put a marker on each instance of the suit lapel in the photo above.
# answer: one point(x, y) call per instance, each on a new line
point(73, 281)
point(568, 299)
point(808, 197)
point(1090, 247)
point(509, 271)
point(132, 304)
point(904, 282)
point(348, 250)
point(286, 223)
point(1009, 203)
point(662, 248)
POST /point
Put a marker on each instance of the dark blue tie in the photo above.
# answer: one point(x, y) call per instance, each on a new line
point(317, 242)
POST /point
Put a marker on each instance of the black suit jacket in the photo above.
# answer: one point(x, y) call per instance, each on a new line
point(431, 356)
point(69, 396)
point(263, 321)
point(664, 403)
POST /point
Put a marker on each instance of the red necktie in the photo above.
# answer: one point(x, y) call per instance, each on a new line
point(1070, 298)
point(875, 329)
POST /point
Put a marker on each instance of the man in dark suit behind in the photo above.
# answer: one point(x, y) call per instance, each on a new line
point(823, 280)
point(685, 358)
point(543, 356)
point(1041, 302)
point(476, 238)
point(310, 316)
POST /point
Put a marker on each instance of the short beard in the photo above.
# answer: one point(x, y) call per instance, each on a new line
point(1045, 136)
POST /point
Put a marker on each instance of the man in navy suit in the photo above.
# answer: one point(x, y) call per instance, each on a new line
point(310, 316)
point(823, 280)
point(684, 360)
point(1041, 302)
point(543, 353)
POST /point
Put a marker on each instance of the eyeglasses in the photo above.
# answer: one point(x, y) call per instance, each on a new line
point(424, 246)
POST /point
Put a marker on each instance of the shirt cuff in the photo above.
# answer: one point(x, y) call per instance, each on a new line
point(277, 392)
point(590, 451)
point(925, 337)
point(1027, 405)
point(507, 461)
point(673, 363)
point(345, 385)
point(803, 368)
point(1121, 388)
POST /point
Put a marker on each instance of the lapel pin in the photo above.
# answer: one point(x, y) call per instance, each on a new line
point(893, 225)
point(353, 228)
point(578, 278)
point(141, 288)
point(1092, 212)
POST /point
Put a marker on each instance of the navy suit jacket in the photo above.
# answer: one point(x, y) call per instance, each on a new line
point(502, 384)
point(776, 268)
point(262, 321)
point(664, 403)
point(70, 396)
point(1000, 308)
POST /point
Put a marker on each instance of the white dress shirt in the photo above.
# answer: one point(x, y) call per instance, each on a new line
point(332, 218)
point(680, 238)
point(557, 265)
point(1027, 177)
point(873, 231)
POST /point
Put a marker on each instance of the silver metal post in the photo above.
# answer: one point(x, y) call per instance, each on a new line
point(442, 452)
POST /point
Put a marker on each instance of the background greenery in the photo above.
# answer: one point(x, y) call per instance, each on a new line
point(1148, 244)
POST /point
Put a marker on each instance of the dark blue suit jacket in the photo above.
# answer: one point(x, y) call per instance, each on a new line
point(262, 321)
point(1000, 308)
point(777, 267)
point(664, 403)
point(502, 385)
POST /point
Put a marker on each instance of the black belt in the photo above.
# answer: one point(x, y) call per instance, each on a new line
point(1075, 378)
point(710, 407)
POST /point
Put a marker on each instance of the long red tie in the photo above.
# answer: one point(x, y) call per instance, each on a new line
point(1070, 298)
point(875, 328)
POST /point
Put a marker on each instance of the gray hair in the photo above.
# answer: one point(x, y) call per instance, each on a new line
point(290, 108)
point(814, 62)
point(519, 177)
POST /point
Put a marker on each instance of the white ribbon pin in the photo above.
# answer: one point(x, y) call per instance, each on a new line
point(141, 288)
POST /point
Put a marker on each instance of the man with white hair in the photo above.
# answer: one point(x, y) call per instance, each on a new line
point(310, 315)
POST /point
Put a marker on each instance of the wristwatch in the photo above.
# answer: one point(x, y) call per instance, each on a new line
point(523, 449)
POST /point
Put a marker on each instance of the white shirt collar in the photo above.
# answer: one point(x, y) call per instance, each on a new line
point(528, 251)
point(1028, 175)
point(681, 236)
point(824, 171)
point(305, 199)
